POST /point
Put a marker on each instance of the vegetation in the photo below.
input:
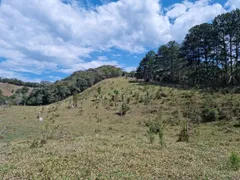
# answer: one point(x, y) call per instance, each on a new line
point(22, 83)
point(95, 143)
point(184, 133)
point(198, 129)
point(234, 161)
point(75, 83)
point(208, 56)
point(19, 96)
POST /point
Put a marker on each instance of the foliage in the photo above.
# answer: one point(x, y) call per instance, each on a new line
point(156, 126)
point(22, 83)
point(234, 161)
point(99, 90)
point(209, 114)
point(124, 109)
point(208, 56)
point(75, 99)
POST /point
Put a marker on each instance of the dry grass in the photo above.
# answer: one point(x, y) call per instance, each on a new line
point(93, 142)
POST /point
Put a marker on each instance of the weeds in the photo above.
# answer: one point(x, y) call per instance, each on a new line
point(234, 161)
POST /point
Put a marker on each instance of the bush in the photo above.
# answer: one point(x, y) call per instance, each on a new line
point(124, 109)
point(156, 127)
point(234, 161)
point(75, 99)
point(209, 114)
point(184, 134)
point(99, 90)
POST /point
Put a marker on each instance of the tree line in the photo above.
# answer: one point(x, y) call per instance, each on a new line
point(207, 57)
point(18, 82)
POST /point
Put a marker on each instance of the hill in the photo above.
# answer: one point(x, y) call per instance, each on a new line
point(13, 94)
point(8, 89)
point(75, 83)
point(14, 91)
point(112, 130)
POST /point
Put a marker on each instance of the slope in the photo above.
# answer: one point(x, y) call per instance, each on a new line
point(93, 140)
point(8, 89)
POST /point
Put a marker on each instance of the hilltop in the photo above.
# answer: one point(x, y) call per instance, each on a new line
point(113, 130)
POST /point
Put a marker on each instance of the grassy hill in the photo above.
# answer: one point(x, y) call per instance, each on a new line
point(95, 140)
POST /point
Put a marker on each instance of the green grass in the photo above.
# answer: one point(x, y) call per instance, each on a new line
point(93, 142)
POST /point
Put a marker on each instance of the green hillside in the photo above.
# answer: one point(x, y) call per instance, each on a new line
point(122, 129)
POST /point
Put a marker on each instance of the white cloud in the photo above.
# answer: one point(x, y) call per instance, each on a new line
point(11, 74)
point(48, 35)
point(87, 65)
point(233, 4)
point(129, 69)
point(189, 14)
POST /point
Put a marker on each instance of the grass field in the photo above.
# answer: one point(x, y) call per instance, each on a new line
point(93, 140)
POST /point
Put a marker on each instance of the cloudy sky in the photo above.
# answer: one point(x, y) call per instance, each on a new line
point(50, 39)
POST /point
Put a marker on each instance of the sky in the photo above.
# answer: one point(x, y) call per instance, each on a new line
point(50, 39)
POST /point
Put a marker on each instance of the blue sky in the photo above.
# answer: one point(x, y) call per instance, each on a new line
point(50, 39)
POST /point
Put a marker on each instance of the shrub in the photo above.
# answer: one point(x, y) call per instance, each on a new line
point(156, 127)
point(209, 114)
point(75, 99)
point(184, 134)
point(153, 126)
point(99, 90)
point(234, 161)
point(124, 109)
point(116, 92)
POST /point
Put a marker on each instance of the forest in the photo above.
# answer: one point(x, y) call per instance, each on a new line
point(207, 57)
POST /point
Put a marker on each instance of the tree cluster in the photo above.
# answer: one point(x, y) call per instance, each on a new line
point(208, 56)
point(22, 83)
